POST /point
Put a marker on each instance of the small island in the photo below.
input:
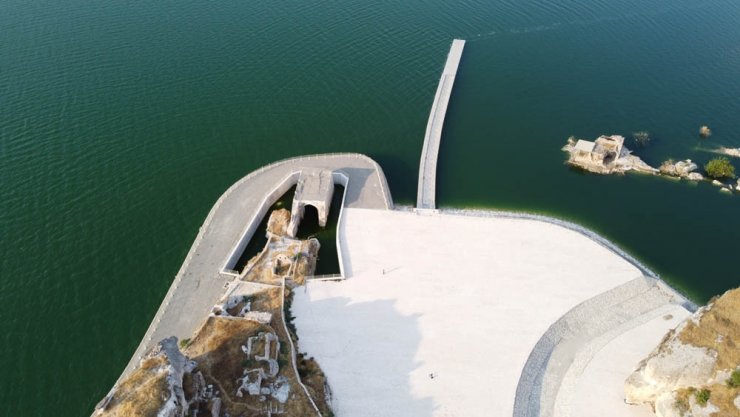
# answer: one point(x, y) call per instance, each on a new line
point(605, 155)
point(608, 155)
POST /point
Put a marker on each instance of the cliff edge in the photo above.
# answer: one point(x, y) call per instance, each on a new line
point(695, 371)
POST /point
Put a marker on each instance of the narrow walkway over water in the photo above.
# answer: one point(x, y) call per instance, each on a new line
point(428, 166)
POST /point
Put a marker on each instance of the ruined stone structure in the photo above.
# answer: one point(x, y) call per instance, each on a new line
point(315, 188)
point(602, 152)
point(605, 155)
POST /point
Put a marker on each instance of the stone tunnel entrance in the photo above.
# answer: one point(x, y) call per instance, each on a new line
point(311, 222)
point(315, 188)
point(315, 203)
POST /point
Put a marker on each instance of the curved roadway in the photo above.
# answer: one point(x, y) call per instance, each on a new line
point(199, 284)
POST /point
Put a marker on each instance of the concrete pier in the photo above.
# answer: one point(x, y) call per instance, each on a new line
point(428, 166)
point(232, 222)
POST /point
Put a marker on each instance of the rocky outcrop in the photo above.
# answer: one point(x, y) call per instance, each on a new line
point(691, 373)
point(695, 176)
point(734, 152)
point(156, 388)
point(606, 155)
point(176, 405)
point(681, 169)
point(242, 360)
point(278, 222)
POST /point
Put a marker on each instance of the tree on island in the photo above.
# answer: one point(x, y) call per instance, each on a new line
point(720, 168)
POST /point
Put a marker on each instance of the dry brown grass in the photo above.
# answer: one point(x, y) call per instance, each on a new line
point(278, 222)
point(718, 329)
point(723, 397)
point(143, 393)
point(268, 300)
point(314, 379)
point(307, 264)
point(217, 349)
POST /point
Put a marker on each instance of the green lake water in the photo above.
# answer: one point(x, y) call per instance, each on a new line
point(122, 122)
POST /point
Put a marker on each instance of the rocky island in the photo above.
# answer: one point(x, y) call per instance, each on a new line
point(605, 155)
point(608, 155)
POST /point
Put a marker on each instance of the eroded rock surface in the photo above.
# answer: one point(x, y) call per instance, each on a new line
point(156, 388)
point(681, 169)
point(241, 361)
point(690, 374)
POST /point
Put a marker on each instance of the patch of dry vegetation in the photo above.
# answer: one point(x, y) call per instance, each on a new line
point(718, 329)
point(315, 381)
point(268, 300)
point(217, 349)
point(278, 222)
point(723, 398)
point(143, 393)
point(719, 395)
point(306, 264)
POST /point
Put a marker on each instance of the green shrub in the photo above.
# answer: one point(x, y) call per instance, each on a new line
point(734, 381)
point(702, 396)
point(184, 342)
point(720, 168)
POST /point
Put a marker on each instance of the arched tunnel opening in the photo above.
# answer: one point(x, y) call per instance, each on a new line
point(328, 262)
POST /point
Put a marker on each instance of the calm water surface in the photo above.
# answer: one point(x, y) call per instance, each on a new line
point(122, 122)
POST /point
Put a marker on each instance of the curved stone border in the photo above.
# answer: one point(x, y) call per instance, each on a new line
point(251, 228)
point(539, 383)
point(567, 340)
point(604, 242)
point(161, 312)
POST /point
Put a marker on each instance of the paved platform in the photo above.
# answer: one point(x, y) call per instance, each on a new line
point(603, 378)
point(199, 283)
point(441, 313)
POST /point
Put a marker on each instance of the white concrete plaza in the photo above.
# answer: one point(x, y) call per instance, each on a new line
point(440, 312)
